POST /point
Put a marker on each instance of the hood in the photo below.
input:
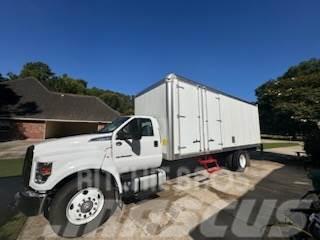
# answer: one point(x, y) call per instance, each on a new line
point(74, 142)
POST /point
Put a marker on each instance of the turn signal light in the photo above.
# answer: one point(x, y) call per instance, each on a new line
point(43, 172)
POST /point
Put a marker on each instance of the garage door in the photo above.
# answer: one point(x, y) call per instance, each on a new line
point(63, 129)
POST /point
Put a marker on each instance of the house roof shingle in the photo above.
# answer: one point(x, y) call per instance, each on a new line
point(29, 99)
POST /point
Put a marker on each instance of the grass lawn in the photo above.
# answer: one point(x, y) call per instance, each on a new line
point(11, 167)
point(279, 144)
point(13, 220)
point(11, 229)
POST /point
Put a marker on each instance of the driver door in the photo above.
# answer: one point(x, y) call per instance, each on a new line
point(130, 154)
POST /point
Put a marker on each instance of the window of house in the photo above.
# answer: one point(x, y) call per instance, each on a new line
point(4, 126)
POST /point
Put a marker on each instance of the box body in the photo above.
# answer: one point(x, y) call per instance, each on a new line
point(197, 120)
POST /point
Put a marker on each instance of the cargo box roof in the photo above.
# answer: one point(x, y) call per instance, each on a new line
point(184, 79)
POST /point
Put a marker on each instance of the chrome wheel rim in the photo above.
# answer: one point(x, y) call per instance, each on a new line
point(242, 161)
point(85, 206)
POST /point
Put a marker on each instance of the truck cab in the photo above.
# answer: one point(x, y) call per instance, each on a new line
point(78, 181)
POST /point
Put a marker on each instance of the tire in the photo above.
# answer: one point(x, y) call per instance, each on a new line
point(240, 161)
point(229, 160)
point(92, 198)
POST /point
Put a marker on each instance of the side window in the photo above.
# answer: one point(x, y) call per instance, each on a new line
point(131, 128)
point(146, 127)
point(138, 124)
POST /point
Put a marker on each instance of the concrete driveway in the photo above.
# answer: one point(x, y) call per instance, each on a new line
point(292, 150)
point(199, 205)
point(15, 149)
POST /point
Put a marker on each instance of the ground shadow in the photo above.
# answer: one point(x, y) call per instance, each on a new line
point(242, 221)
point(173, 170)
point(279, 158)
point(9, 186)
point(180, 167)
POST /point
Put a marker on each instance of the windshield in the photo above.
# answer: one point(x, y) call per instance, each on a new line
point(114, 125)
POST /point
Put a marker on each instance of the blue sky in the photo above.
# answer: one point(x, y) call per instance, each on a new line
point(127, 45)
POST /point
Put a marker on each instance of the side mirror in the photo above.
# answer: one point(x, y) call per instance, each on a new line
point(121, 135)
point(137, 135)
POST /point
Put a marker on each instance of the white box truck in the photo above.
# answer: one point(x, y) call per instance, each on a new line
point(77, 182)
point(195, 119)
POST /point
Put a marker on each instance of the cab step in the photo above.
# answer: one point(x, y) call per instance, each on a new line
point(209, 163)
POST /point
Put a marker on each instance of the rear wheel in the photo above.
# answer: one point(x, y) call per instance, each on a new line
point(81, 206)
point(240, 161)
point(237, 161)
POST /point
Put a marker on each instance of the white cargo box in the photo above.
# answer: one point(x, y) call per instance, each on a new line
point(196, 120)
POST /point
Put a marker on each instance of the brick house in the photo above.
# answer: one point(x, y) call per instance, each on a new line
point(29, 110)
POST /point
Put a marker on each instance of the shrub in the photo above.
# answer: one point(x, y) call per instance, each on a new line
point(312, 146)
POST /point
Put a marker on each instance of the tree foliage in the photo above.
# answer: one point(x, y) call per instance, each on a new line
point(311, 146)
point(38, 70)
point(290, 104)
point(12, 76)
point(2, 78)
point(67, 84)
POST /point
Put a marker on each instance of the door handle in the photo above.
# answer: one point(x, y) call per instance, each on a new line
point(211, 140)
point(196, 141)
point(155, 143)
point(118, 143)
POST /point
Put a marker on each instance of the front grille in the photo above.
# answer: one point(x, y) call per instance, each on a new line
point(27, 166)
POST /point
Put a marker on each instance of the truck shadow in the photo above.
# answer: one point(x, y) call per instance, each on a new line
point(181, 167)
point(279, 158)
point(9, 186)
point(248, 216)
point(174, 169)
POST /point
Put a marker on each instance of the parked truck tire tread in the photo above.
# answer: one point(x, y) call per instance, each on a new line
point(229, 160)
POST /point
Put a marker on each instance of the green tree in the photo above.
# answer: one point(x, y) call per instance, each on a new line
point(2, 78)
point(112, 100)
point(12, 76)
point(290, 104)
point(120, 102)
point(38, 70)
point(67, 84)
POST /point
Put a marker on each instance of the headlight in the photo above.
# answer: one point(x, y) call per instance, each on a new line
point(43, 172)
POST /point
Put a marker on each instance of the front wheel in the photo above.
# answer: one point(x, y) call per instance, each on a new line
point(81, 206)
